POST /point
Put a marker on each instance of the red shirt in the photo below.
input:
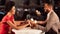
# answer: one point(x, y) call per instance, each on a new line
point(4, 27)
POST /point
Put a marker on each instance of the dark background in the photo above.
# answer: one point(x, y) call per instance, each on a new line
point(31, 5)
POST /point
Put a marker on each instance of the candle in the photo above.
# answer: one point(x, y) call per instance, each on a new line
point(35, 21)
point(32, 19)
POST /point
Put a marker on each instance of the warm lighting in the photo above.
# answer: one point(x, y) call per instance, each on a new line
point(35, 21)
point(32, 19)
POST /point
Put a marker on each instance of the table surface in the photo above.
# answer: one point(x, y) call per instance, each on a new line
point(27, 31)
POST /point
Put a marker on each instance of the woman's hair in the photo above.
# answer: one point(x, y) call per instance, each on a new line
point(8, 6)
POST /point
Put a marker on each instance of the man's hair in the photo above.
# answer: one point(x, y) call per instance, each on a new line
point(49, 4)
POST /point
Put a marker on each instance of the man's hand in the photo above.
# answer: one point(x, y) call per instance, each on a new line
point(40, 22)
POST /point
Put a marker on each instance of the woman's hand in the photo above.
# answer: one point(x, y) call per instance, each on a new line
point(28, 22)
point(33, 23)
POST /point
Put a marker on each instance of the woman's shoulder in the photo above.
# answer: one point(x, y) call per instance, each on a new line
point(5, 18)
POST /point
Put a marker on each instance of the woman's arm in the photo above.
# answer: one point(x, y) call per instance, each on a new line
point(16, 27)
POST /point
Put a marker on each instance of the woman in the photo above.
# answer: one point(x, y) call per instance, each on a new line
point(8, 22)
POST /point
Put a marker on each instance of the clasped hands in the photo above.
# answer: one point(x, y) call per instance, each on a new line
point(33, 22)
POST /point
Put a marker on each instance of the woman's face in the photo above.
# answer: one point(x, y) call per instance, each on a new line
point(13, 10)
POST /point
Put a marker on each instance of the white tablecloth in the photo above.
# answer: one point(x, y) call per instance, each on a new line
point(27, 31)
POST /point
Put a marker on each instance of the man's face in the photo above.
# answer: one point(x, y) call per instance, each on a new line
point(47, 7)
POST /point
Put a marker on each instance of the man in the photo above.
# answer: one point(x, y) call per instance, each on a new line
point(52, 20)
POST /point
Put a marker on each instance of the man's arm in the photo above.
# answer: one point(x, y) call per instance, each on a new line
point(43, 22)
point(39, 27)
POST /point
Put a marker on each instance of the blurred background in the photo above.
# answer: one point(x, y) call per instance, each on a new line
point(23, 7)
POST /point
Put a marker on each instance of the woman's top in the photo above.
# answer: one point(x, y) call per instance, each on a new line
point(4, 27)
